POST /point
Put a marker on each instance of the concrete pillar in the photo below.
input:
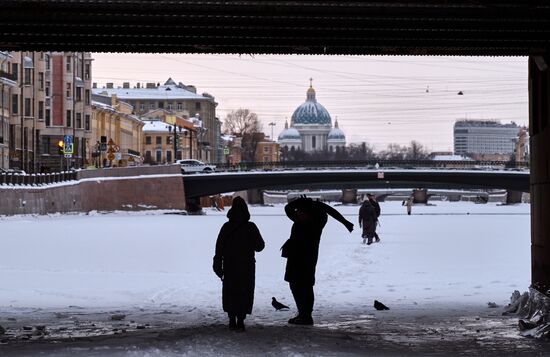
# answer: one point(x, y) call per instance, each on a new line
point(255, 196)
point(539, 131)
point(513, 197)
point(420, 195)
point(349, 195)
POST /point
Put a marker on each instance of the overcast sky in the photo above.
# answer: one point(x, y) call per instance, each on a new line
point(379, 100)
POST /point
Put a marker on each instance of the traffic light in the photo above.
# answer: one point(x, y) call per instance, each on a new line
point(60, 147)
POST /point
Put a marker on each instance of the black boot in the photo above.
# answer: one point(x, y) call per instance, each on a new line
point(232, 322)
point(240, 323)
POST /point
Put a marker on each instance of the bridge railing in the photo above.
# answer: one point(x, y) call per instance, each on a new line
point(373, 164)
point(41, 179)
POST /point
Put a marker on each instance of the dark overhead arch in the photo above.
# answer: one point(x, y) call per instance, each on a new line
point(428, 27)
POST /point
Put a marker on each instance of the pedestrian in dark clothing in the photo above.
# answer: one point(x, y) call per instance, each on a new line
point(376, 206)
point(235, 264)
point(367, 220)
point(302, 251)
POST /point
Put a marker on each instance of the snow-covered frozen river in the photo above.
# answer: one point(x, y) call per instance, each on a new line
point(436, 269)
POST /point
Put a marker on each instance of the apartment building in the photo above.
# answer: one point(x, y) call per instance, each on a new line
point(178, 99)
point(7, 83)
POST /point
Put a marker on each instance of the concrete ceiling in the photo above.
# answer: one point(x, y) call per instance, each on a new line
point(429, 27)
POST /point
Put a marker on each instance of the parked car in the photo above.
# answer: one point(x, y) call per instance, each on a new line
point(191, 165)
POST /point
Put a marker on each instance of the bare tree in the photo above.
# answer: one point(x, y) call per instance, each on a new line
point(245, 124)
point(416, 151)
point(242, 121)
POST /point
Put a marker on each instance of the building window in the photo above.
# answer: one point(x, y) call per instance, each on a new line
point(142, 107)
point(41, 110)
point(79, 120)
point(161, 105)
point(27, 76)
point(159, 156)
point(313, 142)
point(159, 140)
point(14, 71)
point(266, 149)
point(68, 64)
point(180, 106)
point(41, 80)
point(147, 140)
point(151, 105)
point(87, 121)
point(14, 104)
point(169, 156)
point(266, 159)
point(48, 88)
point(47, 60)
point(198, 106)
point(87, 97)
point(69, 117)
point(170, 106)
point(168, 139)
point(78, 94)
point(147, 156)
point(87, 71)
point(28, 111)
point(68, 91)
point(48, 118)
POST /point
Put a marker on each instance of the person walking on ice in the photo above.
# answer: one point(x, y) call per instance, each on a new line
point(409, 202)
point(367, 220)
point(376, 206)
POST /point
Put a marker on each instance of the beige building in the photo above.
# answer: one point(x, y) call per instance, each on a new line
point(177, 99)
point(159, 138)
point(267, 151)
point(7, 83)
point(119, 130)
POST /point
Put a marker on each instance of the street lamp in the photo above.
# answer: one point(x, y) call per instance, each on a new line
point(272, 124)
point(175, 128)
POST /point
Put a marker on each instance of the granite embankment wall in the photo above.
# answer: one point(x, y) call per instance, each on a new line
point(131, 188)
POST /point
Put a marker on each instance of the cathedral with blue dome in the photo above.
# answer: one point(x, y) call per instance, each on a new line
point(311, 128)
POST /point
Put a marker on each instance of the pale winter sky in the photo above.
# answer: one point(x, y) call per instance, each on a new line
point(377, 99)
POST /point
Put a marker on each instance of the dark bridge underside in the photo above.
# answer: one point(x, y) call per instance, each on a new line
point(209, 184)
point(429, 27)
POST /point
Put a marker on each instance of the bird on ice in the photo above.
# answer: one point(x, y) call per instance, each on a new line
point(277, 305)
point(379, 306)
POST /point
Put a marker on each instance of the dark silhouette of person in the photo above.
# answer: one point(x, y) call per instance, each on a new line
point(377, 210)
point(302, 251)
point(235, 264)
point(367, 220)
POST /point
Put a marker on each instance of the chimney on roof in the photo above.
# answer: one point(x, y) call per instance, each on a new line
point(109, 85)
point(138, 85)
point(150, 85)
point(94, 85)
point(126, 85)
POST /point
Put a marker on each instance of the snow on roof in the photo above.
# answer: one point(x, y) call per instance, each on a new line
point(161, 92)
point(157, 126)
point(451, 158)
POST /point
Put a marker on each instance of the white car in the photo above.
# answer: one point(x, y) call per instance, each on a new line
point(191, 165)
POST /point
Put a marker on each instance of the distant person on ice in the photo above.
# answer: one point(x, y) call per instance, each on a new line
point(367, 220)
point(302, 251)
point(235, 264)
point(376, 206)
point(409, 202)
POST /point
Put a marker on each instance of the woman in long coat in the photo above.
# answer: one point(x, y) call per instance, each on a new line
point(367, 220)
point(235, 264)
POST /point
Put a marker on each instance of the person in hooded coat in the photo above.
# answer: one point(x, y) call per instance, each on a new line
point(302, 251)
point(367, 220)
point(235, 264)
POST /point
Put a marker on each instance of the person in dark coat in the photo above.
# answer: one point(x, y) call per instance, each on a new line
point(367, 220)
point(235, 264)
point(302, 251)
point(376, 206)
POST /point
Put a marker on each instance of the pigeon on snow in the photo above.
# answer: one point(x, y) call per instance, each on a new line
point(379, 306)
point(277, 305)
